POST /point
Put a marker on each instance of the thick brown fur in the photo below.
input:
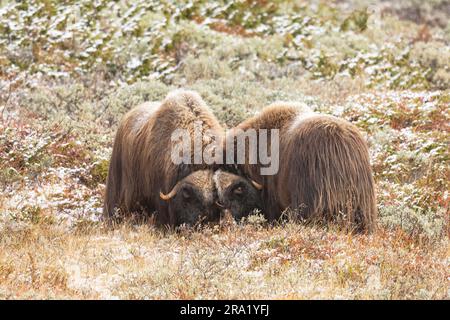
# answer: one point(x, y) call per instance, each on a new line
point(324, 170)
point(141, 164)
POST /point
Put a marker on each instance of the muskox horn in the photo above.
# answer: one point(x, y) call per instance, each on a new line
point(256, 184)
point(170, 195)
point(219, 204)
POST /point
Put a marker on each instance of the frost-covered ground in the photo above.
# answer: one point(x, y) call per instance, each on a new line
point(68, 72)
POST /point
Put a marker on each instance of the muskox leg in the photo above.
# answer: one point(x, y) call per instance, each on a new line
point(113, 182)
point(271, 208)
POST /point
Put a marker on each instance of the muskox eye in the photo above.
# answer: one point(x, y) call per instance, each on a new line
point(238, 191)
point(186, 194)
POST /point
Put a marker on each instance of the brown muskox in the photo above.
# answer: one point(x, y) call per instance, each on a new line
point(142, 176)
point(324, 170)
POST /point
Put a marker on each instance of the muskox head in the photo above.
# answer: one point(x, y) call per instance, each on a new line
point(237, 195)
point(192, 199)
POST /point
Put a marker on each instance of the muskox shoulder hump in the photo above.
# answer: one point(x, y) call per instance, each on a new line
point(183, 98)
point(182, 108)
point(290, 107)
point(276, 115)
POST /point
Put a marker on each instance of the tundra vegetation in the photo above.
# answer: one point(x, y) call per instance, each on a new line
point(69, 70)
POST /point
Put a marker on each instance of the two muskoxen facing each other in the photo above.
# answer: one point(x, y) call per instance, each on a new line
point(143, 177)
point(324, 170)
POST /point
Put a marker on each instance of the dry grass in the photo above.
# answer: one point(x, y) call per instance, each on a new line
point(251, 261)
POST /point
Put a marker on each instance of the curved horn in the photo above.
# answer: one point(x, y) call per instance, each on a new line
point(219, 204)
point(170, 195)
point(256, 184)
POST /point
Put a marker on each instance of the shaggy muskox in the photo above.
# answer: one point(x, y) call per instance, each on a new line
point(324, 170)
point(142, 176)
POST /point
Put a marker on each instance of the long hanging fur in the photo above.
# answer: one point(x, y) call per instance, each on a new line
point(326, 172)
point(141, 165)
point(324, 169)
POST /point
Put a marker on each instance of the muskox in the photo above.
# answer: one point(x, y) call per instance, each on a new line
point(142, 176)
point(324, 170)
